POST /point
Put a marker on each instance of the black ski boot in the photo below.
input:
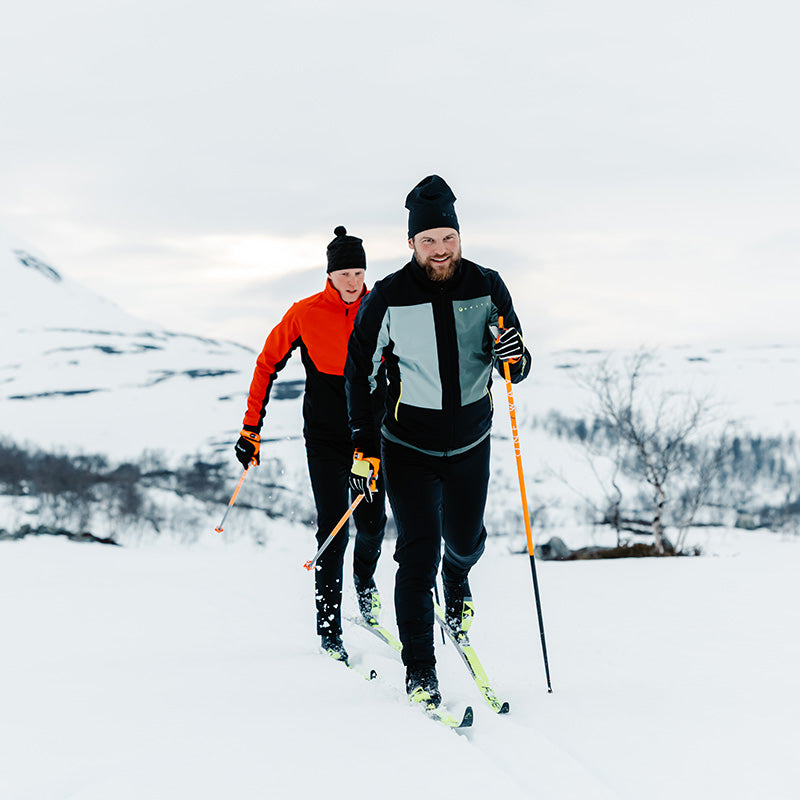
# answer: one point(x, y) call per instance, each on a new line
point(422, 685)
point(369, 601)
point(333, 646)
point(458, 606)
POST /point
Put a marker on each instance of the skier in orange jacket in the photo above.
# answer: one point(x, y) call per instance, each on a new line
point(320, 326)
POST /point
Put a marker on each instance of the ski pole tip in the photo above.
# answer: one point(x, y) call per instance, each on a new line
point(307, 565)
point(218, 530)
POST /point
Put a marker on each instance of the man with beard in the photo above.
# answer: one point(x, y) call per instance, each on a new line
point(430, 325)
point(320, 326)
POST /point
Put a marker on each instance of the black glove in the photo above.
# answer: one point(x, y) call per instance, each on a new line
point(247, 448)
point(364, 474)
point(508, 346)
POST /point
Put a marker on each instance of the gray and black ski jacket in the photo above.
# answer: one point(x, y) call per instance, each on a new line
point(437, 347)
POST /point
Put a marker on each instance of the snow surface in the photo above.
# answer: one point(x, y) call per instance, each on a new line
point(166, 672)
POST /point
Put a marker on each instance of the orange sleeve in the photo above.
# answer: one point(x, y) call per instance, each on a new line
point(283, 338)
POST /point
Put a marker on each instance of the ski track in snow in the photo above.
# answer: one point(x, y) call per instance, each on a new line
point(160, 671)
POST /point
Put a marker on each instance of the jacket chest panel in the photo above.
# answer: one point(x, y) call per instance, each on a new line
point(443, 350)
point(325, 332)
point(472, 319)
point(412, 330)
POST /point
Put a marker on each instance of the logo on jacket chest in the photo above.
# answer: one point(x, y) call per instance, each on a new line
point(471, 305)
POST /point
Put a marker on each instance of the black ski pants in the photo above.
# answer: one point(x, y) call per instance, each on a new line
point(329, 469)
point(432, 498)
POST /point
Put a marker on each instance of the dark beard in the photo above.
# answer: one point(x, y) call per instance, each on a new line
point(441, 277)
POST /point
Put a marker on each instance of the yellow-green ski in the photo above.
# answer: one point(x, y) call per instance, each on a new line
point(421, 698)
point(374, 627)
point(368, 675)
point(467, 652)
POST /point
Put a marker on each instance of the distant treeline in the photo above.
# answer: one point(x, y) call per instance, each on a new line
point(747, 480)
point(755, 477)
point(79, 492)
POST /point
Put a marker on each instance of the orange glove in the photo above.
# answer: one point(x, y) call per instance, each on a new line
point(247, 448)
point(364, 475)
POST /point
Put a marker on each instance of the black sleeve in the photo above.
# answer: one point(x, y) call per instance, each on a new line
point(362, 372)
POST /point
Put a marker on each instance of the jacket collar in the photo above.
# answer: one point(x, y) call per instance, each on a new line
point(331, 295)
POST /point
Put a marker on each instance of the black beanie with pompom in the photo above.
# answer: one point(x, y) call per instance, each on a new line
point(346, 252)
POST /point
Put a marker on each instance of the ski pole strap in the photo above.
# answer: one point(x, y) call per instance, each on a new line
point(366, 467)
point(248, 447)
point(251, 435)
point(497, 332)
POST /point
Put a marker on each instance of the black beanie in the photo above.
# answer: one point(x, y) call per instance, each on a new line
point(430, 205)
point(345, 252)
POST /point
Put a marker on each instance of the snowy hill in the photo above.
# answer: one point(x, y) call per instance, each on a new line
point(79, 373)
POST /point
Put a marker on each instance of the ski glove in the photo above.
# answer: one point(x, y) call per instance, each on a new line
point(247, 448)
point(508, 345)
point(364, 475)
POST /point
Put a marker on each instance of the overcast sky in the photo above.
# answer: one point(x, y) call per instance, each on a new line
point(630, 167)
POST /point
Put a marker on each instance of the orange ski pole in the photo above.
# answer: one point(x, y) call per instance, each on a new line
point(218, 529)
point(309, 565)
point(525, 514)
point(373, 486)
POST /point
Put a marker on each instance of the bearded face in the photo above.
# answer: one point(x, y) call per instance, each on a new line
point(438, 252)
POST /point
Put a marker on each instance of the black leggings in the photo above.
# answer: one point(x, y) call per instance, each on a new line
point(329, 469)
point(432, 498)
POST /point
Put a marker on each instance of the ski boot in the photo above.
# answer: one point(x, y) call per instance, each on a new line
point(422, 685)
point(333, 646)
point(459, 609)
point(369, 601)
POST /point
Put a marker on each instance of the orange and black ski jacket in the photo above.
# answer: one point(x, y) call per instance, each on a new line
point(320, 326)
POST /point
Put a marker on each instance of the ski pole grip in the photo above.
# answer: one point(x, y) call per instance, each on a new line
point(506, 369)
point(375, 463)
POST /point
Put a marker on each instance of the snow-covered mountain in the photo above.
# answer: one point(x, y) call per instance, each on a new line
point(79, 373)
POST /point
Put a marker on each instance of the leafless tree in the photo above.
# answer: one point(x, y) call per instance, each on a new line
point(655, 430)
